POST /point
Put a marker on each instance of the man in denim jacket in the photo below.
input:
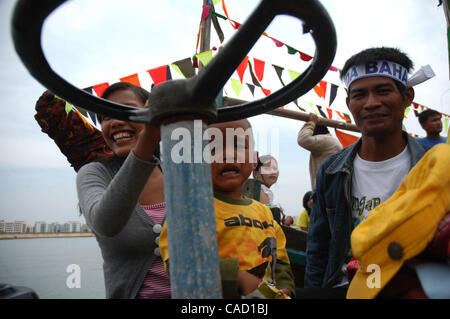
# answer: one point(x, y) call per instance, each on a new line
point(355, 180)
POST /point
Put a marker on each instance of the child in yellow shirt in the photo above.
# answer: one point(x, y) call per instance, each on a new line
point(249, 239)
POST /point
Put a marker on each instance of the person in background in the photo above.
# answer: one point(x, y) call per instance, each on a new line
point(122, 199)
point(318, 140)
point(363, 175)
point(430, 120)
point(267, 172)
point(303, 217)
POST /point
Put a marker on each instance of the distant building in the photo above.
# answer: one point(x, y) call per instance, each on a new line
point(54, 228)
point(19, 226)
point(40, 227)
point(75, 227)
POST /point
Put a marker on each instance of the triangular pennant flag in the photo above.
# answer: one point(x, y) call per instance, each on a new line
point(279, 71)
point(133, 79)
point(93, 117)
point(321, 89)
point(348, 118)
point(100, 88)
point(345, 139)
point(291, 50)
point(334, 69)
point(195, 62)
point(184, 67)
point(311, 106)
point(416, 105)
point(278, 43)
point(293, 74)
point(68, 107)
point(265, 91)
point(320, 111)
point(333, 93)
point(89, 90)
point(259, 68)
point(252, 88)
point(241, 68)
point(215, 1)
point(237, 86)
point(345, 118)
point(168, 73)
point(330, 113)
point(304, 56)
point(205, 57)
point(158, 74)
point(216, 25)
point(254, 79)
point(407, 111)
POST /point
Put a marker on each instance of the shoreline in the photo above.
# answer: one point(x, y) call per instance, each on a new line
point(43, 235)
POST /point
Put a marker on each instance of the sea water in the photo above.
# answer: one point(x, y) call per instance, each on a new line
point(55, 268)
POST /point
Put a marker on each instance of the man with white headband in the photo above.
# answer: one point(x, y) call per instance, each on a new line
point(358, 178)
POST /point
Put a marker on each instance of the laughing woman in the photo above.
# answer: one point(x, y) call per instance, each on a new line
point(122, 200)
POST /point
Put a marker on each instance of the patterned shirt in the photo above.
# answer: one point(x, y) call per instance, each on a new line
point(156, 284)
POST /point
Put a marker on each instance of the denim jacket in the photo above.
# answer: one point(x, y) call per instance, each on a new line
point(328, 240)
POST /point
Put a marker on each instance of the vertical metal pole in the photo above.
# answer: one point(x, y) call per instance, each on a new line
point(191, 225)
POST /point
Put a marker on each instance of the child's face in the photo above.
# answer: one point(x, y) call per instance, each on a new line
point(269, 171)
point(228, 173)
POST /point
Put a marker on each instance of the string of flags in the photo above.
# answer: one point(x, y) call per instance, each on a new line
point(290, 50)
point(257, 71)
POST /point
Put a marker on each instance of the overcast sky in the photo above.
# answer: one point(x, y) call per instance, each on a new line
point(90, 42)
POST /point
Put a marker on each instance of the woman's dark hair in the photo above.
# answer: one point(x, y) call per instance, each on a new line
point(141, 93)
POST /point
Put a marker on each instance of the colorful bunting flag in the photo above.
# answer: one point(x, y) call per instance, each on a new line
point(205, 57)
point(159, 74)
point(259, 68)
point(237, 86)
point(305, 57)
point(345, 139)
point(279, 71)
point(291, 50)
point(100, 88)
point(133, 79)
point(320, 111)
point(333, 93)
point(251, 88)
point(330, 113)
point(293, 74)
point(321, 89)
point(252, 74)
point(265, 91)
point(278, 43)
point(241, 68)
point(345, 117)
point(68, 108)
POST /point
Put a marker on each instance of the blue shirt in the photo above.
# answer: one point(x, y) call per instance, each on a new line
point(431, 142)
